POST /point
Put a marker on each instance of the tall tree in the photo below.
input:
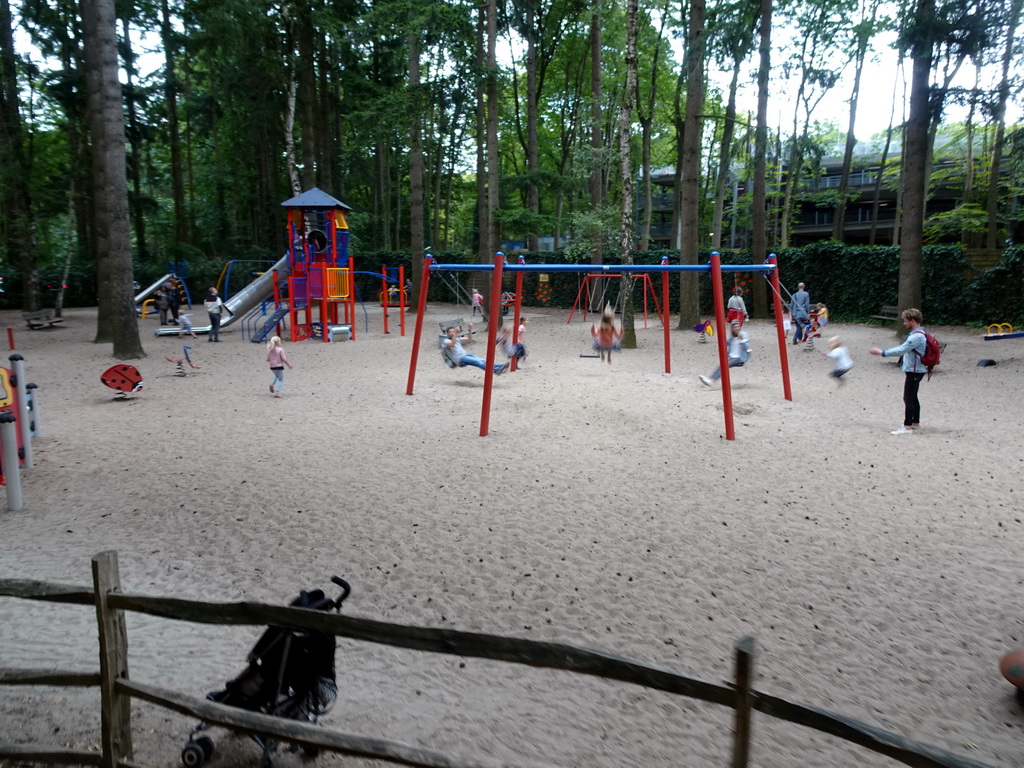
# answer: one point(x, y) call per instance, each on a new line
point(690, 165)
point(15, 196)
point(626, 235)
point(759, 214)
point(182, 230)
point(416, 224)
point(999, 119)
point(916, 142)
point(116, 319)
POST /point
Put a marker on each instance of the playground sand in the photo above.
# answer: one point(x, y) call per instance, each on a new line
point(879, 574)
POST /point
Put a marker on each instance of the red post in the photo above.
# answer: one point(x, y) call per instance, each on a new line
point(384, 296)
point(492, 334)
point(403, 299)
point(779, 330)
point(10, 338)
point(723, 354)
point(351, 303)
point(518, 311)
point(422, 310)
point(664, 325)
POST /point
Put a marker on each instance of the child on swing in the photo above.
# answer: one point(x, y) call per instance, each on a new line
point(606, 335)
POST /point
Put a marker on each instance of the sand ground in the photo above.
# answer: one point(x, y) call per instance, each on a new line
point(880, 575)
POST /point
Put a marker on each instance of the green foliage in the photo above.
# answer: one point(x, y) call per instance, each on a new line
point(968, 218)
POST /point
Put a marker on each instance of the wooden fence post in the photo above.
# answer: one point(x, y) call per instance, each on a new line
point(744, 699)
point(115, 707)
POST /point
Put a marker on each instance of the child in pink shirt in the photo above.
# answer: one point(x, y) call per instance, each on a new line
point(278, 360)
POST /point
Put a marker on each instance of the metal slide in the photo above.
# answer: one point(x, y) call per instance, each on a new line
point(238, 305)
point(143, 295)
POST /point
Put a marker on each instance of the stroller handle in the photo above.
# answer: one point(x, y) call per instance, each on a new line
point(346, 590)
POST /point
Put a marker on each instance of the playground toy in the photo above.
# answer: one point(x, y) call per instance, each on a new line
point(124, 378)
point(1002, 331)
point(706, 330)
point(180, 362)
point(715, 268)
point(321, 270)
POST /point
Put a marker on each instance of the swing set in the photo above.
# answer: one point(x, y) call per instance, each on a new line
point(588, 291)
point(715, 268)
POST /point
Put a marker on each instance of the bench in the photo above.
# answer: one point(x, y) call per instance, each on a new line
point(887, 315)
point(41, 318)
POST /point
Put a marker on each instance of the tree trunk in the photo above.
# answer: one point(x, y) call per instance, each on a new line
point(415, 151)
point(182, 230)
point(116, 321)
point(999, 119)
point(915, 166)
point(759, 236)
point(725, 158)
point(15, 196)
point(626, 175)
point(689, 193)
point(493, 167)
point(596, 136)
point(134, 140)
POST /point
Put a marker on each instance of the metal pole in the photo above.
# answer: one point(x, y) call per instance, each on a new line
point(664, 323)
point(787, 390)
point(418, 333)
point(18, 368)
point(492, 334)
point(723, 355)
point(35, 427)
point(9, 456)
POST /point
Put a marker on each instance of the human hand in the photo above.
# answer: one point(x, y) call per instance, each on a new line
point(875, 351)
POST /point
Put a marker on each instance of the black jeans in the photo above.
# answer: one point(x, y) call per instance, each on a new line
point(214, 326)
point(912, 406)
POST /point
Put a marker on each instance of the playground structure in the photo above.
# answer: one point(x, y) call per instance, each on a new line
point(320, 269)
point(176, 277)
point(715, 268)
point(588, 294)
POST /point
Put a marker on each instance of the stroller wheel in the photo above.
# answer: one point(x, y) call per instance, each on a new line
point(193, 755)
point(206, 744)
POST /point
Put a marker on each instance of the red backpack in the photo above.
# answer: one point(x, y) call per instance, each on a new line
point(932, 352)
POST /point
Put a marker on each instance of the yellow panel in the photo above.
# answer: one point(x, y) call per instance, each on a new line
point(337, 283)
point(6, 389)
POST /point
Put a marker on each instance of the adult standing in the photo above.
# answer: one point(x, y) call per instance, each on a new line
point(163, 304)
point(173, 300)
point(912, 350)
point(800, 308)
point(214, 306)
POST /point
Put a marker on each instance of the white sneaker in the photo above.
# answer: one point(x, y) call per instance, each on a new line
point(902, 431)
point(705, 381)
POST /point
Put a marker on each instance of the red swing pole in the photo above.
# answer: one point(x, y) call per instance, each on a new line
point(492, 334)
point(518, 311)
point(664, 324)
point(723, 355)
point(787, 390)
point(422, 310)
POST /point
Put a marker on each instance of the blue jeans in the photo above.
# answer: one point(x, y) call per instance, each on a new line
point(476, 362)
point(278, 381)
point(800, 323)
point(734, 362)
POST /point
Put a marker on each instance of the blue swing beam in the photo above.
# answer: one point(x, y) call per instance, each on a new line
point(714, 268)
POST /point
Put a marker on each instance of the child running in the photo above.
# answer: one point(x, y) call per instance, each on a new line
point(185, 325)
point(278, 360)
point(840, 357)
point(606, 335)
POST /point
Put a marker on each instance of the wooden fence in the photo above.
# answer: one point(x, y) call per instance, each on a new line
point(117, 690)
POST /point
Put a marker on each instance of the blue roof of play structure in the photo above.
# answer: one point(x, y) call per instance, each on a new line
point(315, 198)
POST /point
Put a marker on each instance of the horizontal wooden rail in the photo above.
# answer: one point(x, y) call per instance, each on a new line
point(303, 734)
point(446, 641)
point(43, 753)
point(450, 641)
point(49, 677)
point(907, 751)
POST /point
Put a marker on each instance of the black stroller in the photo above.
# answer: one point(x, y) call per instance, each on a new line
point(290, 674)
